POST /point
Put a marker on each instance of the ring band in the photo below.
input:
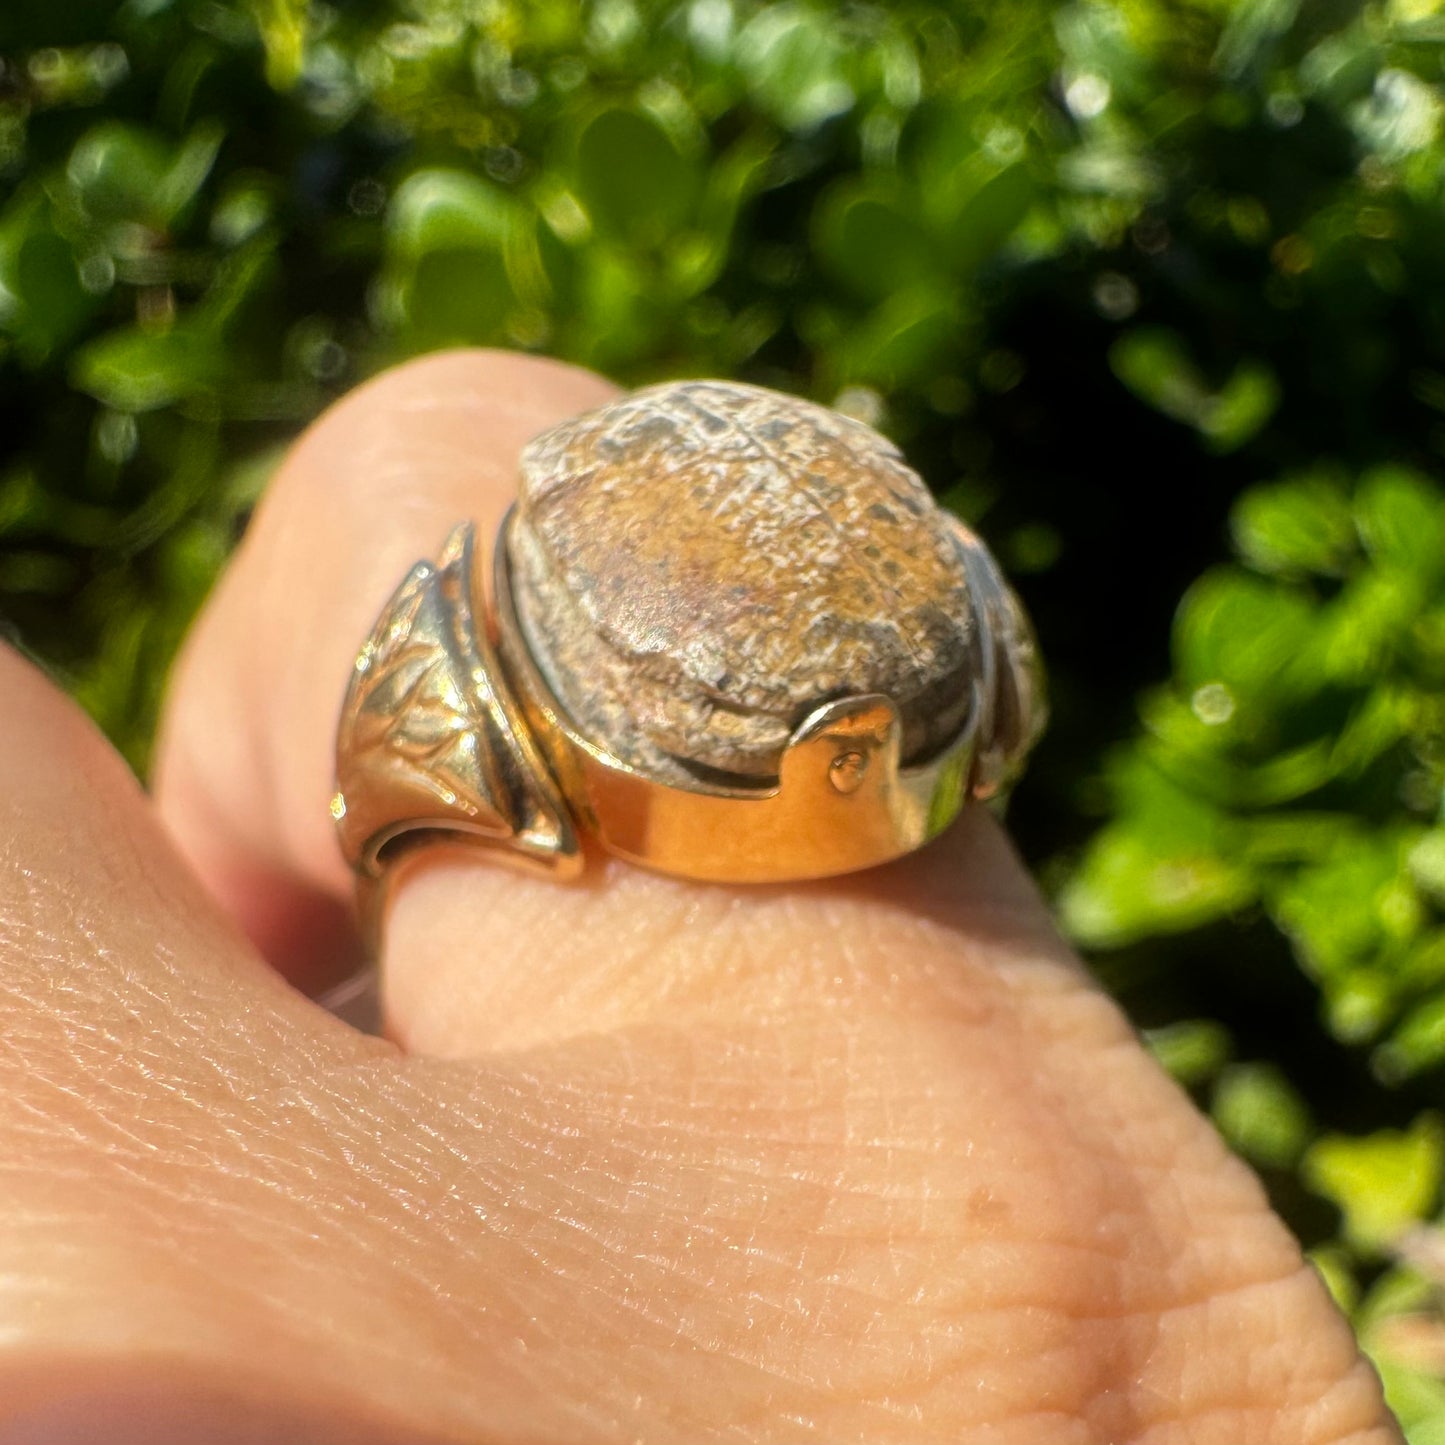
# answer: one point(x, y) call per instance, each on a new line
point(452, 727)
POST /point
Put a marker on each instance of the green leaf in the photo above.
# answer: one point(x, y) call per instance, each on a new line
point(1335, 1268)
point(1400, 1325)
point(448, 210)
point(53, 305)
point(122, 172)
point(1126, 890)
point(795, 63)
point(1192, 1050)
point(1396, 1292)
point(1342, 911)
point(631, 178)
point(1417, 1045)
point(618, 316)
point(1166, 865)
point(905, 337)
point(1420, 1407)
point(1252, 26)
point(731, 181)
point(1367, 628)
point(459, 298)
point(117, 170)
point(1427, 865)
point(1383, 1183)
point(985, 218)
point(464, 258)
point(282, 24)
point(864, 237)
point(188, 171)
point(1254, 637)
point(1241, 407)
point(138, 370)
point(1261, 1114)
point(1097, 40)
point(1155, 364)
point(1402, 521)
point(1358, 1005)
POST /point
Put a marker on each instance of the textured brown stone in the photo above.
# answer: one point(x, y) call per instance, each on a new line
point(699, 565)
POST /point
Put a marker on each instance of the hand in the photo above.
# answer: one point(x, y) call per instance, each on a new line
point(870, 1160)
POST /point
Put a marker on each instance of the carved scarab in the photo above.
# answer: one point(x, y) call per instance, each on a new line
point(700, 565)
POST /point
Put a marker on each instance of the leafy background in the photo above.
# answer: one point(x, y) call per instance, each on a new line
point(1151, 290)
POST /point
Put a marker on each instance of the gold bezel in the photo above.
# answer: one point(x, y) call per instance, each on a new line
point(841, 802)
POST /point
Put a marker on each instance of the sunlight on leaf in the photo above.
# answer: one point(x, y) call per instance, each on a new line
point(1384, 1183)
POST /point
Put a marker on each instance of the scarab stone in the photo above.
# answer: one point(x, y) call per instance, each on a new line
point(699, 565)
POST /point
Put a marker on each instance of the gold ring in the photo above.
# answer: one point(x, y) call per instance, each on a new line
point(731, 636)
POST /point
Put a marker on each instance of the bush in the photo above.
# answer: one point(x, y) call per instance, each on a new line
point(1140, 286)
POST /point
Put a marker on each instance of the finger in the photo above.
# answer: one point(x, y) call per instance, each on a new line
point(922, 1019)
point(225, 1217)
point(245, 761)
point(245, 758)
point(154, 1087)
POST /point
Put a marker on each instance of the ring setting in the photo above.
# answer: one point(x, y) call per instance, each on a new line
point(729, 637)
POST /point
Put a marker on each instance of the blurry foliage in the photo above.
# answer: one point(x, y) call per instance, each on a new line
point(1297, 760)
point(1141, 285)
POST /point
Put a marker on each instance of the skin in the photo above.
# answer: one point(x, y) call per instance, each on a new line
point(639, 1161)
